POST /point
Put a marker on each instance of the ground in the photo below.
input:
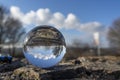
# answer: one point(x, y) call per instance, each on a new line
point(83, 68)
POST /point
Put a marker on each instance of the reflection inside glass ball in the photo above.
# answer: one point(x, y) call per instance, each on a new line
point(44, 46)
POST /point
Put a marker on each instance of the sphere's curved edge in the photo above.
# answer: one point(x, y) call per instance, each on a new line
point(43, 33)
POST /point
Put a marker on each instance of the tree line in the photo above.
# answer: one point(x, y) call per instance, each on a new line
point(12, 30)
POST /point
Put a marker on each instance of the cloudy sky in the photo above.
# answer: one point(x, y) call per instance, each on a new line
point(77, 19)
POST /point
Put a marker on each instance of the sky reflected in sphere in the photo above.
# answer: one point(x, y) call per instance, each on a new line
point(44, 46)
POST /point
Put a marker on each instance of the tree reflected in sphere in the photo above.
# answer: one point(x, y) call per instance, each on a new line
point(44, 46)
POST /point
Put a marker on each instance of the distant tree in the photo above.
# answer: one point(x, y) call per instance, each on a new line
point(114, 34)
point(80, 44)
point(11, 29)
point(77, 43)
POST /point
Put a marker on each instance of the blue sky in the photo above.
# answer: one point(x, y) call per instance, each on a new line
point(88, 16)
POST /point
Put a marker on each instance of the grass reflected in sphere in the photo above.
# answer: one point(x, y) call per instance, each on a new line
point(44, 46)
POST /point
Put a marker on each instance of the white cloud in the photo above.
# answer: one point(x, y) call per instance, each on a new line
point(92, 27)
point(29, 18)
point(41, 56)
point(57, 19)
point(43, 16)
point(71, 21)
point(46, 17)
point(16, 13)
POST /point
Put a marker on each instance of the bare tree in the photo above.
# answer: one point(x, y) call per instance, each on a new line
point(11, 29)
point(114, 34)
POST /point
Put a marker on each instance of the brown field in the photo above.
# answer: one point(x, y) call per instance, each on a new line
point(82, 68)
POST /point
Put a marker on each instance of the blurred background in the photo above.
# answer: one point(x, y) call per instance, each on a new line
point(100, 42)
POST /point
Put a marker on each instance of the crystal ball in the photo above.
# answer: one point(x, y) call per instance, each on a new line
point(44, 46)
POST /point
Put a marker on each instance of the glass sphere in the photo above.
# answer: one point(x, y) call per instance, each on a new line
point(44, 46)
